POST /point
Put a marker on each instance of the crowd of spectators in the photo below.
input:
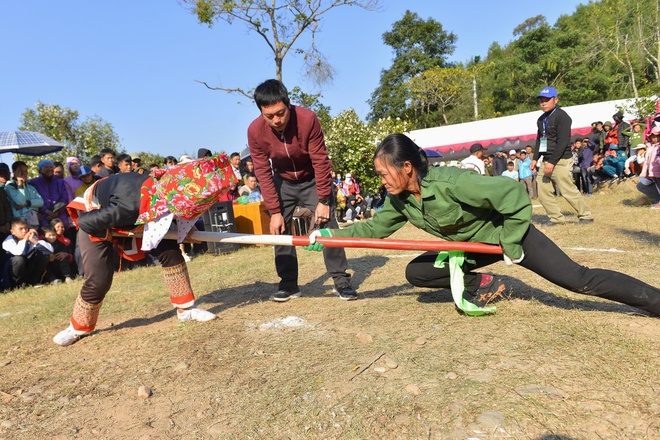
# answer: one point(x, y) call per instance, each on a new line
point(38, 235)
point(611, 153)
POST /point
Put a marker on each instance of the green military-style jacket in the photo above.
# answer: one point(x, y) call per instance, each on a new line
point(456, 205)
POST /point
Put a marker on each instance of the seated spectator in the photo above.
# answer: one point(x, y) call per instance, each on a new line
point(86, 176)
point(54, 194)
point(72, 181)
point(125, 163)
point(251, 188)
point(27, 260)
point(510, 172)
point(633, 165)
point(649, 177)
point(60, 259)
point(5, 207)
point(356, 209)
point(349, 186)
point(58, 171)
point(612, 163)
point(24, 199)
point(107, 156)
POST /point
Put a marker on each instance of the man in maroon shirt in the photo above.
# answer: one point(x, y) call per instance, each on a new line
point(293, 168)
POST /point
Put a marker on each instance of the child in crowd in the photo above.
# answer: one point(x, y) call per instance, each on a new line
point(59, 267)
point(86, 176)
point(510, 171)
point(28, 261)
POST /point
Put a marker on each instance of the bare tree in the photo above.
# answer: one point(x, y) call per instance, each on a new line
point(280, 23)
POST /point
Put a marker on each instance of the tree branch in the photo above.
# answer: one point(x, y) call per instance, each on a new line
point(228, 90)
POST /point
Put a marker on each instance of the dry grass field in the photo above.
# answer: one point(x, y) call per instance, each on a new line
point(549, 364)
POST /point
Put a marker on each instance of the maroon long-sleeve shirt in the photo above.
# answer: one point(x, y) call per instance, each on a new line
point(298, 154)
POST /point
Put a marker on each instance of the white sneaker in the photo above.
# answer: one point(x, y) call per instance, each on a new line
point(195, 314)
point(68, 280)
point(186, 258)
point(57, 281)
point(67, 336)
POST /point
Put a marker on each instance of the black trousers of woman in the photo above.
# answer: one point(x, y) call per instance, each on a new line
point(545, 258)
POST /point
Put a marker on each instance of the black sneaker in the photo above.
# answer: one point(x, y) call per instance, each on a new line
point(585, 221)
point(347, 293)
point(283, 295)
point(490, 289)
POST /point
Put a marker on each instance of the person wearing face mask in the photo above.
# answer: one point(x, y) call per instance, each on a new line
point(350, 187)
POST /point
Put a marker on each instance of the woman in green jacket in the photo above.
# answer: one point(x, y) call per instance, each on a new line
point(461, 205)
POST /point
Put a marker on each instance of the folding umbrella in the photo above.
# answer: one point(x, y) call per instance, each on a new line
point(27, 142)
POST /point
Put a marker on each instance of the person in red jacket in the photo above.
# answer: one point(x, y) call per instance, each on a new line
point(293, 169)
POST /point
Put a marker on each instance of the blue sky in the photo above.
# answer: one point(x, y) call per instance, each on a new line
point(134, 62)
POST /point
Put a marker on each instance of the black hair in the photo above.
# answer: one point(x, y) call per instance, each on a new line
point(95, 160)
point(57, 163)
point(124, 158)
point(55, 221)
point(171, 159)
point(270, 92)
point(105, 151)
point(48, 228)
point(18, 221)
point(248, 175)
point(510, 164)
point(233, 155)
point(397, 148)
point(16, 165)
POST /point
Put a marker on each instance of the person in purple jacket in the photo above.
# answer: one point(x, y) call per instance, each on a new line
point(54, 193)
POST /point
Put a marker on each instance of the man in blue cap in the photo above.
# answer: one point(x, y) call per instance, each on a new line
point(553, 154)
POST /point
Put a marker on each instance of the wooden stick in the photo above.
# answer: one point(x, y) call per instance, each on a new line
point(369, 243)
point(363, 369)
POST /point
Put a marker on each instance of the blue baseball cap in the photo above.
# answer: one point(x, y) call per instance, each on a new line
point(84, 170)
point(548, 92)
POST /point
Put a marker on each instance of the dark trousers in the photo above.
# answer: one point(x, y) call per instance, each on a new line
point(545, 258)
point(98, 264)
point(303, 194)
point(28, 270)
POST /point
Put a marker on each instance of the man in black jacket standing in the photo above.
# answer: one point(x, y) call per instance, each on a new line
point(553, 150)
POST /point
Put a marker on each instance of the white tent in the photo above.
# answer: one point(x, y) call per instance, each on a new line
point(509, 132)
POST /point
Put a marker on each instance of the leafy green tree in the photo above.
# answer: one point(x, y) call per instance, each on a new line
point(281, 24)
point(82, 140)
point(351, 144)
point(312, 102)
point(418, 45)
